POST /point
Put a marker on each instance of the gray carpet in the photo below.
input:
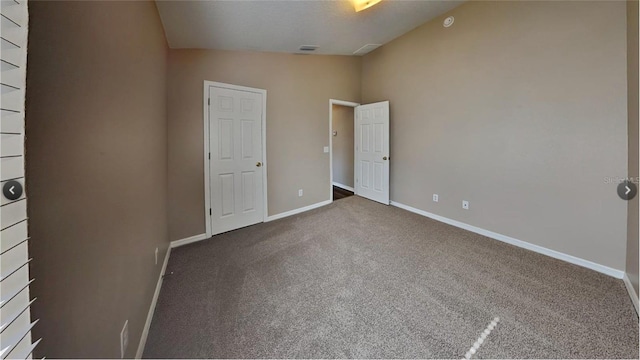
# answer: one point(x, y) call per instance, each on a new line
point(357, 279)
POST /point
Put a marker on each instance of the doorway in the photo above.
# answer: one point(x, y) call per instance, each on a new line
point(359, 150)
point(342, 150)
point(235, 156)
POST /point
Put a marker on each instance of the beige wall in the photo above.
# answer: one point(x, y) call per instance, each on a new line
point(632, 84)
point(343, 144)
point(519, 108)
point(298, 91)
point(97, 169)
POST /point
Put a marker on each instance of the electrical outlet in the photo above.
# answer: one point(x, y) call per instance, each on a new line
point(465, 204)
point(435, 197)
point(156, 256)
point(124, 339)
point(326, 149)
point(300, 192)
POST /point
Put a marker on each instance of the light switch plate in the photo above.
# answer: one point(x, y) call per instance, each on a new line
point(326, 149)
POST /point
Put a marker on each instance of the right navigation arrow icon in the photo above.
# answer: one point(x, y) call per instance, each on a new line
point(627, 190)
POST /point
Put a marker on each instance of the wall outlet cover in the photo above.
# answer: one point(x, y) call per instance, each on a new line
point(300, 192)
point(465, 204)
point(435, 197)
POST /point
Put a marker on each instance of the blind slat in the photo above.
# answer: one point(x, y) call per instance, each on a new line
point(29, 350)
point(4, 17)
point(3, 278)
point(12, 214)
point(13, 246)
point(15, 317)
point(7, 298)
point(13, 342)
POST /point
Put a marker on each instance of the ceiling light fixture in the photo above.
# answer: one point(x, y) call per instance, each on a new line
point(364, 4)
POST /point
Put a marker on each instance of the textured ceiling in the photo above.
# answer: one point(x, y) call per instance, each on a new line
point(283, 26)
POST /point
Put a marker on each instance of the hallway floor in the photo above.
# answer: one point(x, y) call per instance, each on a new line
point(340, 193)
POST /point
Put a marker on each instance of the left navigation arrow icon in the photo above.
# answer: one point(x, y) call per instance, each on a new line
point(12, 190)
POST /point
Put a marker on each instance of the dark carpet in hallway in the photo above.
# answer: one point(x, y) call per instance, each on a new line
point(357, 279)
point(340, 193)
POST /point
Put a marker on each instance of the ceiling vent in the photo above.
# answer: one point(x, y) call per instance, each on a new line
point(366, 49)
point(308, 48)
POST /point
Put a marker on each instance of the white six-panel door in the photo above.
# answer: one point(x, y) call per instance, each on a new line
point(236, 164)
point(372, 151)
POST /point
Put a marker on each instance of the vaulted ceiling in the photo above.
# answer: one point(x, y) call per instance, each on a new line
point(284, 26)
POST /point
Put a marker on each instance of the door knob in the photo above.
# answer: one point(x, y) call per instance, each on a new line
point(384, 158)
point(258, 164)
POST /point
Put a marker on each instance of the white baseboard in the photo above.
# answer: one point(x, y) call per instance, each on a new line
point(343, 186)
point(189, 240)
point(618, 274)
point(631, 291)
point(196, 238)
point(152, 308)
point(297, 211)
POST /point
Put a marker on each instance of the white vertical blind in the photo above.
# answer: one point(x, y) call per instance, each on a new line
point(15, 317)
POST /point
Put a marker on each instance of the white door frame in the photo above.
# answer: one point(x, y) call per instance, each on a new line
point(207, 184)
point(343, 103)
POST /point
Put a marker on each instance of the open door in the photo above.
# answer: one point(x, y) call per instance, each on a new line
point(236, 157)
point(372, 151)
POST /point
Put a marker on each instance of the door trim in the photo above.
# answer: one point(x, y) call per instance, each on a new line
point(343, 103)
point(207, 184)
